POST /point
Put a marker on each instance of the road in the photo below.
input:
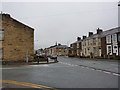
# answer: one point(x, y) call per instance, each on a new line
point(67, 73)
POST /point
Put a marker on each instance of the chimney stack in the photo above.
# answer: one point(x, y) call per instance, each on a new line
point(84, 37)
point(90, 34)
point(59, 44)
point(99, 31)
point(78, 38)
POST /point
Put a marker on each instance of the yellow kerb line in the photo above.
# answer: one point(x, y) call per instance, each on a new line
point(26, 84)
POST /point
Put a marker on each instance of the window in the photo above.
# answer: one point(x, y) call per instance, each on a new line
point(1, 34)
point(77, 45)
point(85, 43)
point(99, 41)
point(94, 50)
point(115, 49)
point(109, 50)
point(85, 50)
point(108, 39)
point(91, 42)
point(94, 41)
point(71, 45)
point(88, 42)
point(114, 38)
point(119, 37)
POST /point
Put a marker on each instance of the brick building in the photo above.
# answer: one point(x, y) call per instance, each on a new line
point(17, 40)
point(110, 43)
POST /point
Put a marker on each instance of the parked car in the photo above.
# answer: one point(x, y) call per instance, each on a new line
point(40, 57)
point(54, 57)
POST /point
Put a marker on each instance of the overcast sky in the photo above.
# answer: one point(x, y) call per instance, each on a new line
point(63, 22)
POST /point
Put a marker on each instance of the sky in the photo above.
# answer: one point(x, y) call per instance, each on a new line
point(63, 22)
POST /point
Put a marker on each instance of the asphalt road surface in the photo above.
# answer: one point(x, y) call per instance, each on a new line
point(67, 73)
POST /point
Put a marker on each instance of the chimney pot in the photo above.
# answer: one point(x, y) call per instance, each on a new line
point(84, 37)
point(99, 31)
point(90, 34)
point(78, 38)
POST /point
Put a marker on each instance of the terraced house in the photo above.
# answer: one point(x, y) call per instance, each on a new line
point(103, 44)
point(111, 43)
point(59, 50)
point(76, 48)
point(91, 45)
point(17, 40)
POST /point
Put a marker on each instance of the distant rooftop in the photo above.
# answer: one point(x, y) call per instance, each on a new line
point(58, 46)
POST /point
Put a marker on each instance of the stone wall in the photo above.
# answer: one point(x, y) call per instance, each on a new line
point(18, 41)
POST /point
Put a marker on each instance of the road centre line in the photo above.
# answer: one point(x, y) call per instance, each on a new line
point(100, 70)
point(116, 74)
point(107, 72)
point(26, 84)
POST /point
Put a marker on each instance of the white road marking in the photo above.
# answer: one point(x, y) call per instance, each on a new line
point(72, 65)
point(115, 74)
point(107, 72)
point(98, 70)
point(92, 69)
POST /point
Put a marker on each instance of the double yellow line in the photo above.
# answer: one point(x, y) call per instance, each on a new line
point(27, 84)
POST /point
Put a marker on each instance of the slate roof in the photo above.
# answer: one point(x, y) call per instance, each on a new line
point(110, 32)
point(103, 34)
point(59, 46)
point(62, 46)
point(93, 36)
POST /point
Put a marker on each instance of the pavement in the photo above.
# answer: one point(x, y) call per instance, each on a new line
point(67, 73)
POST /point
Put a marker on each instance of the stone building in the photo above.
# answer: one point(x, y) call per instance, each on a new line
point(73, 49)
point(79, 47)
point(17, 40)
point(76, 48)
point(62, 50)
point(91, 45)
point(103, 44)
point(59, 50)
